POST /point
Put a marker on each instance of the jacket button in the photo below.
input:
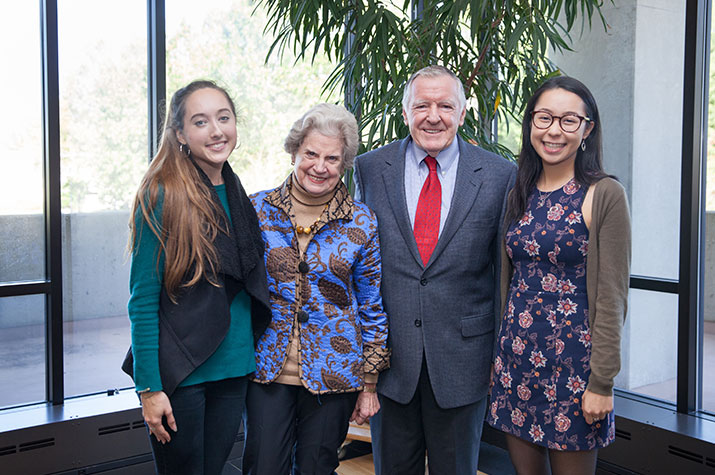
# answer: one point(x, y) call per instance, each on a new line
point(423, 281)
point(418, 323)
point(302, 316)
point(303, 267)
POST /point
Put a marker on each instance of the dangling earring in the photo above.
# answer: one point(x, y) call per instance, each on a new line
point(185, 149)
point(583, 145)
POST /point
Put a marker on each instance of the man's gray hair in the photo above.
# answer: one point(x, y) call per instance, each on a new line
point(433, 72)
point(330, 120)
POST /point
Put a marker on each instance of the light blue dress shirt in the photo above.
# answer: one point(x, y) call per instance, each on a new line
point(416, 172)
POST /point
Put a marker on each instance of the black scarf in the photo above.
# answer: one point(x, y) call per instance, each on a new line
point(240, 250)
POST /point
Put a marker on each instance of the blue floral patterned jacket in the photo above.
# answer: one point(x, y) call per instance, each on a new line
point(338, 292)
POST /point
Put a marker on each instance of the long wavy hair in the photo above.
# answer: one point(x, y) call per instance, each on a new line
point(588, 167)
point(188, 224)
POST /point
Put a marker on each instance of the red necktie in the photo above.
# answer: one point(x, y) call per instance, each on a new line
point(428, 211)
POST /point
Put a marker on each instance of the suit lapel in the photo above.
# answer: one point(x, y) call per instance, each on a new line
point(466, 187)
point(394, 179)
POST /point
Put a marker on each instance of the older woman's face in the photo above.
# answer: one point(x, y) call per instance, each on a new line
point(319, 163)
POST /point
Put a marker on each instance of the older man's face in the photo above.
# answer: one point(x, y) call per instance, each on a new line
point(434, 114)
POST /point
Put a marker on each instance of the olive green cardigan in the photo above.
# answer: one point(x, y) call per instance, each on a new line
point(607, 277)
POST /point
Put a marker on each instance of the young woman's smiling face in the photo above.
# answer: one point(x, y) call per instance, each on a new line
point(554, 146)
point(209, 128)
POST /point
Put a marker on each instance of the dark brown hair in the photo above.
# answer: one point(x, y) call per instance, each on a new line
point(188, 223)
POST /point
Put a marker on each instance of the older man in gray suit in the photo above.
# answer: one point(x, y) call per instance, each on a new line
point(439, 203)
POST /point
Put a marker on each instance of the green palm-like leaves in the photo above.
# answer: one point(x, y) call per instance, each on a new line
point(498, 48)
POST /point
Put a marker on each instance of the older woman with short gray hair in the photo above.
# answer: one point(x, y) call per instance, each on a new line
point(318, 362)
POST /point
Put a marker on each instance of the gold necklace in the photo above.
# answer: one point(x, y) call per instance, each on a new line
point(313, 227)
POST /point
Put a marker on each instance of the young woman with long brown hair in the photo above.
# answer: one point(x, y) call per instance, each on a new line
point(199, 297)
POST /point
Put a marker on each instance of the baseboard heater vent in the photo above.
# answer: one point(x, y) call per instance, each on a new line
point(710, 462)
point(623, 434)
point(8, 450)
point(138, 425)
point(686, 454)
point(36, 444)
point(114, 429)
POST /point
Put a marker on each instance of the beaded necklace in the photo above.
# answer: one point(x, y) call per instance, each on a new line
point(308, 230)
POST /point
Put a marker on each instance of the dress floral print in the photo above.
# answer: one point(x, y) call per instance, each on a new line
point(542, 363)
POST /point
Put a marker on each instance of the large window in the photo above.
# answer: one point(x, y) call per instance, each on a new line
point(22, 227)
point(64, 327)
point(103, 129)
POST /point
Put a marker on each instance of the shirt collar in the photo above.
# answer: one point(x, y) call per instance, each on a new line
point(446, 158)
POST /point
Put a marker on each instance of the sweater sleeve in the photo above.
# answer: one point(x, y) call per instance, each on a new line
point(502, 264)
point(613, 261)
point(145, 280)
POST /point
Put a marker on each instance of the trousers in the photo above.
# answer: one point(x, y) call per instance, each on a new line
point(208, 418)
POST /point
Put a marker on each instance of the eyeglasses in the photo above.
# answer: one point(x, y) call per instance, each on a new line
point(568, 122)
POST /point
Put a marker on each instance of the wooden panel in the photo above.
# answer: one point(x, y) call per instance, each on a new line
point(357, 466)
point(359, 432)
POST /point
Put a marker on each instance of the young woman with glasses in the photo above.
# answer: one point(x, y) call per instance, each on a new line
point(564, 285)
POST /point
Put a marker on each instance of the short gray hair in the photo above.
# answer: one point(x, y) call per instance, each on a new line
point(433, 72)
point(330, 120)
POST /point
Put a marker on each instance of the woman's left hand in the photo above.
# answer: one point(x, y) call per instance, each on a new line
point(595, 406)
point(366, 406)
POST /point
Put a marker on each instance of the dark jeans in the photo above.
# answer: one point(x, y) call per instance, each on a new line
point(290, 429)
point(208, 417)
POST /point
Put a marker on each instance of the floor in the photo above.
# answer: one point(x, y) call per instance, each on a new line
point(492, 461)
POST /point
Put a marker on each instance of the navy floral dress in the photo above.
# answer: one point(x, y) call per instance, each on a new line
point(542, 363)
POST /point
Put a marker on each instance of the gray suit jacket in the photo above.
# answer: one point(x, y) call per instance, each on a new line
point(448, 309)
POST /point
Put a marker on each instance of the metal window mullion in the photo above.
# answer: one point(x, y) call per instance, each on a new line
point(417, 8)
point(156, 70)
point(16, 289)
point(53, 206)
point(695, 87)
point(654, 284)
point(350, 96)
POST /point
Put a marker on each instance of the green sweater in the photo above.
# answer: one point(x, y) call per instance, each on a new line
point(233, 358)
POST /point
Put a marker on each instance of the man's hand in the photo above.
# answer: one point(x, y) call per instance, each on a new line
point(156, 405)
